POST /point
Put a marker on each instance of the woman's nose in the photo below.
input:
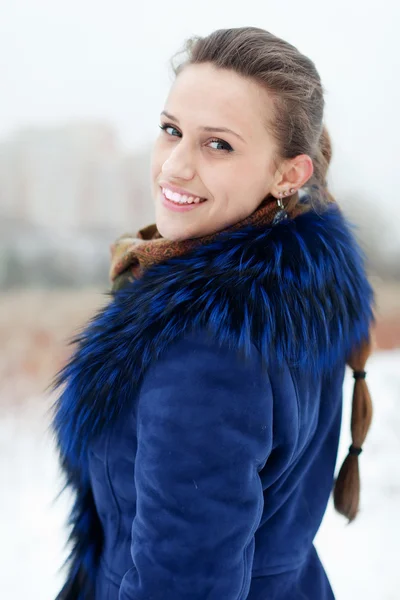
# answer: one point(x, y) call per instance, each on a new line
point(179, 164)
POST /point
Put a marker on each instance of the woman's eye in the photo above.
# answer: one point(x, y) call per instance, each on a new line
point(221, 145)
point(170, 130)
point(215, 144)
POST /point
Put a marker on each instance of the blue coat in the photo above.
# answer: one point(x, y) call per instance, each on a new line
point(199, 418)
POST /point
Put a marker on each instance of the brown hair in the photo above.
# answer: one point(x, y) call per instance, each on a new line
point(346, 493)
point(294, 84)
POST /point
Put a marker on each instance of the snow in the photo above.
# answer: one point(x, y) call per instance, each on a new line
point(360, 559)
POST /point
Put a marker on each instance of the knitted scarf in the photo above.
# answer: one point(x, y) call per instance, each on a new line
point(131, 255)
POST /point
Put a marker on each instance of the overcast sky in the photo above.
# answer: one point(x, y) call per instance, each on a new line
point(72, 59)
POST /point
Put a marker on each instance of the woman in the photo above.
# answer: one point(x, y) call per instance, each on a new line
point(199, 419)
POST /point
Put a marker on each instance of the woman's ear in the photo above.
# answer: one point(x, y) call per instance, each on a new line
point(293, 174)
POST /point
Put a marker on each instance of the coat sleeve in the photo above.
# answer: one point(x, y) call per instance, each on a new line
point(204, 432)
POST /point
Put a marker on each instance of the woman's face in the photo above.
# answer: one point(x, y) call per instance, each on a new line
point(213, 161)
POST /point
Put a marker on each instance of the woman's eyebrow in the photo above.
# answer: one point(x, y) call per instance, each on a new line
point(169, 116)
point(208, 129)
point(222, 130)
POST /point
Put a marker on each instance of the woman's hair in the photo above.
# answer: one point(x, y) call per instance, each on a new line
point(293, 83)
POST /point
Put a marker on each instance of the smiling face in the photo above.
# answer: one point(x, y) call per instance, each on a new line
point(213, 162)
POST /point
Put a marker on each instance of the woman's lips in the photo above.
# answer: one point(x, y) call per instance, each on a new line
point(174, 206)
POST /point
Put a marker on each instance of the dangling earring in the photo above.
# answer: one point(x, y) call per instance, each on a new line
point(280, 203)
point(282, 214)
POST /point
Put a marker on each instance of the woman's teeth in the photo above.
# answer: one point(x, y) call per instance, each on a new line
point(180, 198)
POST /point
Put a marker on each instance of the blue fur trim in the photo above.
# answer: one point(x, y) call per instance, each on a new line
point(85, 537)
point(297, 290)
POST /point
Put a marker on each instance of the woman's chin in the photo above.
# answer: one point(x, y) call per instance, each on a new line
point(170, 230)
point(170, 225)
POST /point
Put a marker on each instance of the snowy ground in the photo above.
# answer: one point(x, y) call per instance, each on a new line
point(361, 559)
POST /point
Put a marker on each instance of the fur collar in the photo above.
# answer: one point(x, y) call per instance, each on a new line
point(297, 290)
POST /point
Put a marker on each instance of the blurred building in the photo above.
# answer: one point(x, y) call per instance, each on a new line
point(65, 193)
point(75, 176)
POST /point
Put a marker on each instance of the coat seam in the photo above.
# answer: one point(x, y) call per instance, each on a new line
point(253, 530)
point(111, 488)
point(296, 391)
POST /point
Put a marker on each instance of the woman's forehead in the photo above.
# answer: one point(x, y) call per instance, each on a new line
point(203, 95)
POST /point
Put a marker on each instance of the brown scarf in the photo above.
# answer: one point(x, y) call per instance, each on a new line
point(132, 255)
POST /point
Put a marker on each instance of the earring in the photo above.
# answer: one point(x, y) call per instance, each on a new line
point(281, 214)
point(287, 193)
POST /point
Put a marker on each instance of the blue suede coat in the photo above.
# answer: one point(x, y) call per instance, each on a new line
point(199, 418)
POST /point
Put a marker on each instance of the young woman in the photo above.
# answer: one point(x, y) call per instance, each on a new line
point(199, 416)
